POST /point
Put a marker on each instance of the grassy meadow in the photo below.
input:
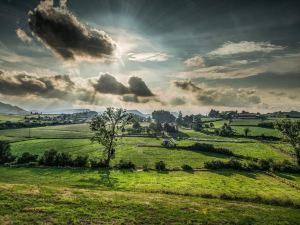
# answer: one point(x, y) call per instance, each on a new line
point(88, 196)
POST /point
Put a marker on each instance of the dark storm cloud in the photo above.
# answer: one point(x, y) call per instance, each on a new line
point(108, 84)
point(48, 87)
point(138, 87)
point(61, 31)
point(220, 96)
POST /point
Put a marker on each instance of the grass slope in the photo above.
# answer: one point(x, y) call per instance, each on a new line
point(57, 196)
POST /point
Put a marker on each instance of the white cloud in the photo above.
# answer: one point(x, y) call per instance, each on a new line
point(23, 36)
point(230, 48)
point(195, 61)
point(148, 56)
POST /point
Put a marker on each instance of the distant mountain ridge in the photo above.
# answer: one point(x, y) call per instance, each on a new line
point(136, 112)
point(10, 109)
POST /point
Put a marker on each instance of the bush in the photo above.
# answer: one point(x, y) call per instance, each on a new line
point(49, 158)
point(5, 153)
point(160, 165)
point(63, 159)
point(98, 164)
point(210, 148)
point(286, 166)
point(80, 161)
point(187, 167)
point(125, 165)
point(214, 165)
point(266, 125)
point(265, 164)
point(27, 157)
point(145, 167)
point(231, 164)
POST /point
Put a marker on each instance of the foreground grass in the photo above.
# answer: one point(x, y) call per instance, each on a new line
point(229, 183)
point(60, 196)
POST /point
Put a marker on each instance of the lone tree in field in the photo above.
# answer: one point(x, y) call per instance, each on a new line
point(291, 131)
point(106, 128)
point(246, 131)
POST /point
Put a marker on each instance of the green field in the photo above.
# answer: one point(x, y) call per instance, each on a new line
point(61, 196)
point(86, 196)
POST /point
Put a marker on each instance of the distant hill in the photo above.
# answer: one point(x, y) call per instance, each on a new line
point(67, 111)
point(10, 109)
point(136, 112)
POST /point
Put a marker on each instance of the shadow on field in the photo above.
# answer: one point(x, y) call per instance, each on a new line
point(179, 134)
point(104, 180)
point(229, 172)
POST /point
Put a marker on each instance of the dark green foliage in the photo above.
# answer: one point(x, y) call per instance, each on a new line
point(97, 164)
point(49, 158)
point(187, 167)
point(27, 157)
point(160, 166)
point(265, 164)
point(136, 126)
point(162, 116)
point(266, 125)
point(291, 131)
point(81, 161)
point(225, 131)
point(262, 165)
point(209, 148)
point(125, 165)
point(5, 153)
point(63, 159)
point(106, 128)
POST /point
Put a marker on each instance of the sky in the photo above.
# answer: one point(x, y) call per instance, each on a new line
point(188, 55)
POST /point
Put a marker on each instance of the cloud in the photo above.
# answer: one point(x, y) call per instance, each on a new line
point(59, 30)
point(227, 97)
point(23, 36)
point(108, 84)
point(148, 56)
point(196, 61)
point(178, 101)
point(230, 48)
point(59, 86)
point(138, 87)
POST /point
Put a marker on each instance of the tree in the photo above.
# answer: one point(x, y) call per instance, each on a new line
point(106, 127)
point(136, 126)
point(225, 130)
point(291, 131)
point(246, 131)
point(162, 116)
point(179, 119)
point(5, 153)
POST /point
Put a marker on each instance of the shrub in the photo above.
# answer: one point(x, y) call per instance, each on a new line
point(80, 161)
point(5, 153)
point(145, 167)
point(187, 167)
point(125, 165)
point(209, 148)
point(49, 158)
point(286, 166)
point(214, 165)
point(27, 157)
point(63, 159)
point(266, 125)
point(265, 164)
point(160, 165)
point(235, 164)
point(98, 164)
